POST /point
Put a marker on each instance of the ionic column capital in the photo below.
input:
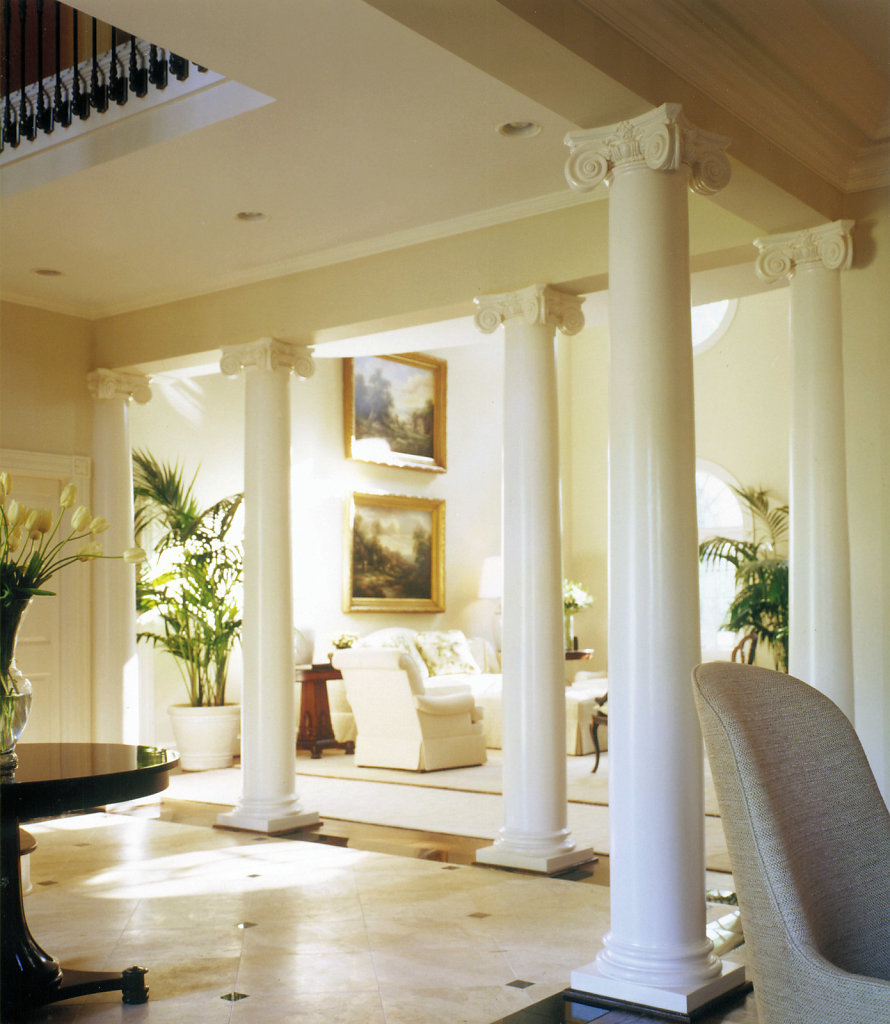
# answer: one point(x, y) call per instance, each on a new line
point(662, 140)
point(268, 354)
point(112, 384)
point(830, 246)
point(538, 304)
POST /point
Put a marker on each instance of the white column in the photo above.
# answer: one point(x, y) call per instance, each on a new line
point(820, 628)
point(268, 801)
point(657, 952)
point(535, 835)
point(116, 695)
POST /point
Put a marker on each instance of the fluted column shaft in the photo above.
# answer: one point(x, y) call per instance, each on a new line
point(117, 704)
point(820, 628)
point(656, 952)
point(268, 801)
point(535, 835)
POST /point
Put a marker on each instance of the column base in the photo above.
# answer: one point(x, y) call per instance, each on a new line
point(507, 857)
point(244, 820)
point(681, 1001)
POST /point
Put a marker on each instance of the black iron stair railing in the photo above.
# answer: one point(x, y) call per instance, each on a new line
point(77, 77)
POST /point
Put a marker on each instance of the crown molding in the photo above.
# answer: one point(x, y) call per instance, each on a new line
point(795, 80)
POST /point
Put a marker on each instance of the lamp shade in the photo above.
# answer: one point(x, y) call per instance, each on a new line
point(491, 586)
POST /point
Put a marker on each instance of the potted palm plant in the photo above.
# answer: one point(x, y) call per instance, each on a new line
point(189, 594)
point(758, 613)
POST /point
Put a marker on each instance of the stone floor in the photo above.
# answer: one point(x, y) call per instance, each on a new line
point(239, 928)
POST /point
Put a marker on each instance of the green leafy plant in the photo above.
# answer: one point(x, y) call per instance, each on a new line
point(759, 610)
point(194, 579)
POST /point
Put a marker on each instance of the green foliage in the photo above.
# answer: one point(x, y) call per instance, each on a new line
point(759, 610)
point(194, 579)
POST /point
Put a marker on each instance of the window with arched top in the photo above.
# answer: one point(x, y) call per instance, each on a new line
point(710, 321)
point(720, 514)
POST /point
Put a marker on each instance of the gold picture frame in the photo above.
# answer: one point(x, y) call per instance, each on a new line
point(394, 410)
point(394, 554)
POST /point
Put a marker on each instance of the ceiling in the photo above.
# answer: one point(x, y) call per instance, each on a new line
point(371, 124)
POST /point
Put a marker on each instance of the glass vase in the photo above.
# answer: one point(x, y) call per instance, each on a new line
point(569, 637)
point(15, 689)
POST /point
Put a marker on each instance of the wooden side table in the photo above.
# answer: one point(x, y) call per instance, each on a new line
point(316, 732)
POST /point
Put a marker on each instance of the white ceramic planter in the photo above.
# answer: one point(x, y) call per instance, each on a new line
point(205, 737)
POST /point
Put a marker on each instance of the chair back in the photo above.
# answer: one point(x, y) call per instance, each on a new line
point(809, 842)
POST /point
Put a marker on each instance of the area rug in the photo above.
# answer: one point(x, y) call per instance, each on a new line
point(453, 802)
point(583, 786)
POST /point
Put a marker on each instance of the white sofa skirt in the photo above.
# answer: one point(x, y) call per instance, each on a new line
point(580, 706)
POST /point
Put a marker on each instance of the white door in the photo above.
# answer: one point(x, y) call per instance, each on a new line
point(53, 648)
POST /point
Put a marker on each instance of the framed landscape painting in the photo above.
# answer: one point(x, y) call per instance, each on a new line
point(394, 554)
point(394, 410)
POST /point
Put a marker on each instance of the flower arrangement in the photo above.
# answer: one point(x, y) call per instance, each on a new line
point(34, 546)
point(574, 597)
point(343, 640)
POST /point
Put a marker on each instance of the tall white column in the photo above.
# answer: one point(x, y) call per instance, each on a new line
point(820, 628)
point(268, 801)
point(535, 835)
point(116, 714)
point(657, 952)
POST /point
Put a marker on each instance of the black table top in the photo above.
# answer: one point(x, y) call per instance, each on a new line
point(52, 778)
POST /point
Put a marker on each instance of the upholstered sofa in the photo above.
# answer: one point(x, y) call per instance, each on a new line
point(448, 662)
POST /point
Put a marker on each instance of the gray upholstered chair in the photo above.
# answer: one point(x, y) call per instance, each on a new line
point(809, 842)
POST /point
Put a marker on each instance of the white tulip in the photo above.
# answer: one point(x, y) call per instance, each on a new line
point(81, 519)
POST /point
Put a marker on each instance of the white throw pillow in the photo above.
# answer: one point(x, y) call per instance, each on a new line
point(446, 653)
point(399, 638)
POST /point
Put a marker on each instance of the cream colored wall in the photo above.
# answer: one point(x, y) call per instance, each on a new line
point(201, 421)
point(44, 361)
point(742, 405)
point(741, 396)
point(866, 309)
point(583, 362)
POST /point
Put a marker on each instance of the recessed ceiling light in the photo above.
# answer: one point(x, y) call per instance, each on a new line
point(46, 272)
point(519, 129)
point(250, 216)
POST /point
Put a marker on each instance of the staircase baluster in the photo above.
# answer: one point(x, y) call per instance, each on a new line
point(61, 103)
point(10, 121)
point(179, 67)
point(44, 107)
point(138, 74)
point(157, 68)
point(80, 100)
point(27, 124)
point(117, 88)
point(98, 87)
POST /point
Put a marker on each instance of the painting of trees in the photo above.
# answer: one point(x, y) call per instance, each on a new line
point(396, 553)
point(396, 410)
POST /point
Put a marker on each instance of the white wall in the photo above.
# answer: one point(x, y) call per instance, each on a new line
point(200, 421)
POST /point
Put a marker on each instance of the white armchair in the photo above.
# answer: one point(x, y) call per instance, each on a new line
point(399, 724)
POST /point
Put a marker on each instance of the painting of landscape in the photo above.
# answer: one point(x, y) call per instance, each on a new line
point(395, 410)
point(396, 554)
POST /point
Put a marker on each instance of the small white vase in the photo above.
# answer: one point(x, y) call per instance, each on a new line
point(206, 737)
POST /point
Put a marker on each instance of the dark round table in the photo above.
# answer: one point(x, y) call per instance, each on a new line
point(53, 779)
